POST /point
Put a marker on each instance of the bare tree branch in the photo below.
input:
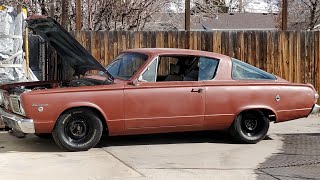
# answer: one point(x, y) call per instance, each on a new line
point(99, 14)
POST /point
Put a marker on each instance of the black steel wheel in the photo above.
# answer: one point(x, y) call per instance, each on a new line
point(250, 127)
point(78, 130)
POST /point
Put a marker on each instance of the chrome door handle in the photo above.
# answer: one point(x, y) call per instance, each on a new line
point(197, 90)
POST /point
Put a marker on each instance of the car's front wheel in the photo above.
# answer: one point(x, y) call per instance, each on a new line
point(78, 130)
point(250, 127)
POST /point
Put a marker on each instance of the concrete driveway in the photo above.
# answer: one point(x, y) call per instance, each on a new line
point(196, 155)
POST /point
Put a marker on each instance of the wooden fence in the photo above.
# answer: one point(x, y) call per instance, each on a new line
point(292, 55)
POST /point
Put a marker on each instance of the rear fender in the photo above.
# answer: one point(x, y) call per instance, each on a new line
point(259, 107)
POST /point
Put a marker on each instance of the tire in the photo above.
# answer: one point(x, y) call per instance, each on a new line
point(77, 130)
point(18, 134)
point(7, 128)
point(250, 127)
point(43, 135)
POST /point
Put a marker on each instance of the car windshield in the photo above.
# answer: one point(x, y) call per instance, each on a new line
point(126, 65)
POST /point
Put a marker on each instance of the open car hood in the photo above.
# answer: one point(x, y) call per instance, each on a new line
point(65, 44)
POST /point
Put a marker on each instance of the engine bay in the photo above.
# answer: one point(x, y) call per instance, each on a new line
point(79, 82)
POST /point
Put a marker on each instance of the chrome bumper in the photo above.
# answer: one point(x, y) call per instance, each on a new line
point(315, 109)
point(17, 122)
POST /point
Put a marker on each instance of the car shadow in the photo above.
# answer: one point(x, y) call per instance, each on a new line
point(220, 137)
point(32, 143)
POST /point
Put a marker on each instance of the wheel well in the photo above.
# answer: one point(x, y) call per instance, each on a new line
point(269, 114)
point(95, 111)
point(266, 112)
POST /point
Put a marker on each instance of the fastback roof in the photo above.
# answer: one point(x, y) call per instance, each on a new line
point(173, 51)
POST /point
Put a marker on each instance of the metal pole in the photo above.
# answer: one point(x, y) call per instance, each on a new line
point(22, 9)
point(78, 15)
point(284, 25)
point(26, 44)
point(187, 15)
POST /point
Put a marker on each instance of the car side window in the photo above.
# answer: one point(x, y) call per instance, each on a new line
point(180, 68)
point(150, 75)
point(207, 68)
point(244, 71)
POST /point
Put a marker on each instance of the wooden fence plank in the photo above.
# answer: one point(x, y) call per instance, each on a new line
point(303, 56)
point(248, 46)
point(317, 58)
point(269, 53)
point(257, 48)
point(187, 37)
point(106, 47)
point(111, 45)
point(191, 42)
point(298, 57)
point(307, 58)
point(312, 56)
point(263, 50)
point(232, 44)
point(225, 43)
point(153, 39)
point(217, 42)
point(252, 48)
point(291, 57)
point(170, 41)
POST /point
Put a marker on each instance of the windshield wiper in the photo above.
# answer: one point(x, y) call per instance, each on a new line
point(110, 77)
point(108, 74)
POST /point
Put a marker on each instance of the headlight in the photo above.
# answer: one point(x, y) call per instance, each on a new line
point(15, 104)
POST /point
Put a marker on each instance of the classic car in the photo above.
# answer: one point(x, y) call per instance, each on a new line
point(150, 90)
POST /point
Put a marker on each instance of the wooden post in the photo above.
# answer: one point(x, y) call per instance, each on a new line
point(240, 6)
point(64, 13)
point(78, 15)
point(21, 9)
point(187, 15)
point(284, 25)
point(90, 16)
point(26, 45)
point(52, 5)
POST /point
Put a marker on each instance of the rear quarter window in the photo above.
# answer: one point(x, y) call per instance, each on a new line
point(244, 71)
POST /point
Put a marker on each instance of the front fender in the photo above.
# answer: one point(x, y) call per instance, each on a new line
point(82, 104)
point(52, 105)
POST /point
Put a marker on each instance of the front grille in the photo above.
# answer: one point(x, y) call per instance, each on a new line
point(15, 104)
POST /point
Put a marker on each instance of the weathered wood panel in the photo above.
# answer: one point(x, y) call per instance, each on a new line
point(291, 55)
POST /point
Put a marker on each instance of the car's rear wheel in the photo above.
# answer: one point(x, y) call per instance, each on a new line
point(78, 130)
point(250, 127)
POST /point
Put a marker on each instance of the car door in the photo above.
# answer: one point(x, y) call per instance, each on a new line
point(217, 101)
point(163, 106)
